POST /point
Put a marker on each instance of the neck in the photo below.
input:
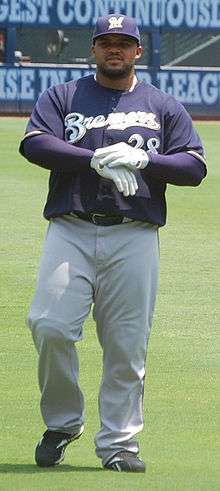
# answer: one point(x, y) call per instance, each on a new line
point(127, 83)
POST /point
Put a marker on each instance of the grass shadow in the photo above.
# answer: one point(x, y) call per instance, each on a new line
point(33, 469)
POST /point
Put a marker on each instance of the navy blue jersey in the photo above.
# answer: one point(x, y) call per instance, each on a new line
point(90, 116)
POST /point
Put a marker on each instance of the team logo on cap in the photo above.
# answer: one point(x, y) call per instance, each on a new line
point(116, 22)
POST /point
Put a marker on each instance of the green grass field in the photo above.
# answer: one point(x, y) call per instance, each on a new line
point(181, 439)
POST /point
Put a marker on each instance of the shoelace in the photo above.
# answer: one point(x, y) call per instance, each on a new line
point(55, 436)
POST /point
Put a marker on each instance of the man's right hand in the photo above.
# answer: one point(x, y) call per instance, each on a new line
point(123, 178)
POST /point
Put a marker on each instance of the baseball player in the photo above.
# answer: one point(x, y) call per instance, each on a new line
point(112, 144)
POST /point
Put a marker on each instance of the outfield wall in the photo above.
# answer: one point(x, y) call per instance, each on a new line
point(198, 90)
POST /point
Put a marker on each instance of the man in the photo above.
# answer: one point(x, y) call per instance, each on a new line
point(112, 143)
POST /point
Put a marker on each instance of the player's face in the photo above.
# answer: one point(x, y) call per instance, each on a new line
point(115, 55)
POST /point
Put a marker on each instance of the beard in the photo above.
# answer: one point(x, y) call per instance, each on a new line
point(115, 73)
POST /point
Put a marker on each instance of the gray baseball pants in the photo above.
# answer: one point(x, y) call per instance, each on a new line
point(116, 269)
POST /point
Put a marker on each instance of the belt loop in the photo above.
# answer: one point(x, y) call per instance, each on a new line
point(94, 215)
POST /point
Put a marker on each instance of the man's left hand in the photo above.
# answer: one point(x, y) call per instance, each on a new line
point(122, 154)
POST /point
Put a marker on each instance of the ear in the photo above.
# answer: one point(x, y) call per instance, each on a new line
point(139, 52)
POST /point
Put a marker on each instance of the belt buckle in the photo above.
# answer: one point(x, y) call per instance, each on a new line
point(94, 215)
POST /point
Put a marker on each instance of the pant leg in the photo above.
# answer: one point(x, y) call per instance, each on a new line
point(124, 304)
point(62, 302)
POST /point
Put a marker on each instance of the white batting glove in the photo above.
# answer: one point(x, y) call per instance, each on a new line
point(122, 154)
point(124, 180)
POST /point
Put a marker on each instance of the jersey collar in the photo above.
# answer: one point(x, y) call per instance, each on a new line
point(135, 81)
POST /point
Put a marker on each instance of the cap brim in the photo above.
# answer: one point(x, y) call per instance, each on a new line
point(116, 32)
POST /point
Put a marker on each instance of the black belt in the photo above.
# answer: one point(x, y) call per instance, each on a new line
point(101, 219)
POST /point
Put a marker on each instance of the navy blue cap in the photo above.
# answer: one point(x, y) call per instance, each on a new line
point(116, 24)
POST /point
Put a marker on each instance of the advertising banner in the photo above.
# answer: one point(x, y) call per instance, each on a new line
point(198, 90)
point(149, 14)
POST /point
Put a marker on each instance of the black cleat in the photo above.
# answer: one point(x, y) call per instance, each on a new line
point(125, 462)
point(51, 448)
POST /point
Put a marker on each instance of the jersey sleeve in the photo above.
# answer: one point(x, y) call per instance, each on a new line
point(48, 114)
point(179, 133)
